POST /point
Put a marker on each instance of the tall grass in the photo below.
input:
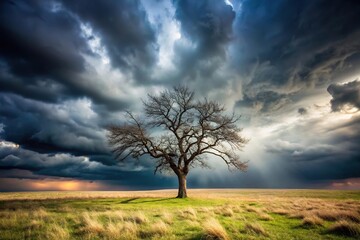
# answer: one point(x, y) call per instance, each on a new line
point(91, 225)
point(113, 230)
point(214, 230)
point(312, 221)
point(56, 231)
point(227, 212)
point(129, 229)
point(255, 228)
point(334, 215)
point(167, 217)
point(137, 217)
point(265, 216)
point(157, 229)
point(346, 228)
point(188, 213)
point(234, 217)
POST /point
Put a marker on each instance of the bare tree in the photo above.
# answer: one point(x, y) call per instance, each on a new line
point(190, 130)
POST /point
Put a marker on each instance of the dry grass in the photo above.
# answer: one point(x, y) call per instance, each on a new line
point(40, 213)
point(6, 214)
point(8, 220)
point(96, 220)
point(335, 215)
point(205, 210)
point(65, 209)
point(328, 215)
point(352, 216)
point(265, 217)
point(56, 231)
point(252, 209)
point(35, 224)
point(297, 214)
point(157, 229)
point(114, 216)
point(188, 213)
point(191, 222)
point(255, 228)
point(129, 228)
point(244, 194)
point(113, 230)
point(345, 228)
point(236, 209)
point(312, 221)
point(227, 212)
point(137, 217)
point(280, 211)
point(167, 217)
point(214, 230)
point(91, 225)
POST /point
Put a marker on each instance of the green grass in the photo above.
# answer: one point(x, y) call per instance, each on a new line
point(157, 215)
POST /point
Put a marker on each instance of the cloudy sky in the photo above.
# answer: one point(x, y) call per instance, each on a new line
point(70, 68)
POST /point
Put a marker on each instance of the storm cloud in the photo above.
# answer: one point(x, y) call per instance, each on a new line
point(289, 47)
point(126, 33)
point(68, 69)
point(345, 94)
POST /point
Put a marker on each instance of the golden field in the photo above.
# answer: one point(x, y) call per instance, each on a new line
point(206, 214)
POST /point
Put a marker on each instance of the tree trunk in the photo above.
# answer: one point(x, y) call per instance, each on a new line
point(182, 186)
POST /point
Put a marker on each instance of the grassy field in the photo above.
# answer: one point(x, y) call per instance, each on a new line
point(206, 214)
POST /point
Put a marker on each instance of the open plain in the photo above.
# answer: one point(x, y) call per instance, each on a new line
point(206, 214)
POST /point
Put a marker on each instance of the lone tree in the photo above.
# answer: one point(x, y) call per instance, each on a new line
point(190, 130)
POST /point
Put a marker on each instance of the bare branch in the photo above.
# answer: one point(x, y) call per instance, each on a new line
point(192, 130)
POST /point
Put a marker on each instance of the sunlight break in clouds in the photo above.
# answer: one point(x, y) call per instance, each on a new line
point(228, 2)
point(95, 43)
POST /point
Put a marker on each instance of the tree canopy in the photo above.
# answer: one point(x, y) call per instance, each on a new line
point(179, 132)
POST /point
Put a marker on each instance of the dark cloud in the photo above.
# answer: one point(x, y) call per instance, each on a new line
point(265, 101)
point(42, 54)
point(125, 32)
point(300, 153)
point(302, 111)
point(343, 95)
point(327, 154)
point(322, 171)
point(289, 47)
point(69, 166)
point(72, 126)
point(206, 23)
point(40, 35)
point(36, 45)
point(206, 27)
